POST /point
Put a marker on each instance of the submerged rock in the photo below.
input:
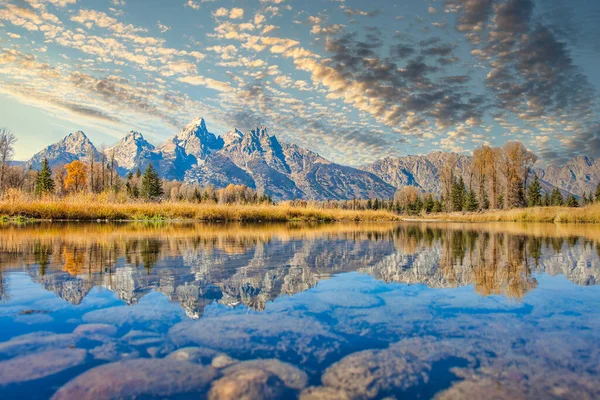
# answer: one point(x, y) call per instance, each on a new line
point(370, 374)
point(223, 361)
point(39, 365)
point(292, 376)
point(35, 342)
point(137, 378)
point(142, 338)
point(247, 384)
point(487, 389)
point(323, 393)
point(196, 355)
point(252, 335)
point(95, 329)
point(114, 351)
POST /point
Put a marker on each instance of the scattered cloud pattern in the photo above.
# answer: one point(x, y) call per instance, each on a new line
point(354, 81)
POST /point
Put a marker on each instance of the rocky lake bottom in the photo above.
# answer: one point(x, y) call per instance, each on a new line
point(308, 311)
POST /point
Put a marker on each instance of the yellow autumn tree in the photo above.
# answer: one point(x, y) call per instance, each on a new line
point(76, 178)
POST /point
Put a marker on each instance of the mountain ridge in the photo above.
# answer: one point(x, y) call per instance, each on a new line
point(287, 171)
point(254, 158)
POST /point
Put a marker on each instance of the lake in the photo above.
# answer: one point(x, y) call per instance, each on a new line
point(310, 311)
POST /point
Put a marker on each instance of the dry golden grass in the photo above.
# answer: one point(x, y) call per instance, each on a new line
point(588, 214)
point(91, 208)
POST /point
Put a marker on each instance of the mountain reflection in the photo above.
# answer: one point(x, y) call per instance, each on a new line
point(198, 264)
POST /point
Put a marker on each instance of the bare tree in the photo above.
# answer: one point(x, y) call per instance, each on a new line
point(91, 160)
point(103, 167)
point(516, 164)
point(7, 142)
point(448, 177)
point(112, 168)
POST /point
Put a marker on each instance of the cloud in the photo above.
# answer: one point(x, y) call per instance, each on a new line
point(162, 28)
point(401, 96)
point(531, 73)
point(234, 13)
point(208, 82)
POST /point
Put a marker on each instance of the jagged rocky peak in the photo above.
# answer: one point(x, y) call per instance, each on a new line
point(196, 129)
point(196, 140)
point(232, 137)
point(129, 150)
point(74, 146)
point(76, 142)
point(258, 139)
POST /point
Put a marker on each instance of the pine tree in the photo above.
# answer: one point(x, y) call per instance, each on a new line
point(534, 193)
point(459, 192)
point(556, 198)
point(598, 192)
point(546, 199)
point(429, 204)
point(572, 201)
point(584, 199)
point(44, 183)
point(471, 203)
point(151, 184)
point(376, 204)
point(437, 206)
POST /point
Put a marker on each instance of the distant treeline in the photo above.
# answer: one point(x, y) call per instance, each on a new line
point(498, 178)
point(98, 175)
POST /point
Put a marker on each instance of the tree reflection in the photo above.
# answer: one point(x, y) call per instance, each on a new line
point(252, 265)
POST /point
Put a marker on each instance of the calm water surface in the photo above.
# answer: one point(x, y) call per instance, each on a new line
point(445, 311)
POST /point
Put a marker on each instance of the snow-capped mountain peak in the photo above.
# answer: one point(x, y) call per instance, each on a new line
point(130, 150)
point(234, 136)
point(74, 146)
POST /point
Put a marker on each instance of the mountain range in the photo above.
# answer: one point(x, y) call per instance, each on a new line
point(286, 171)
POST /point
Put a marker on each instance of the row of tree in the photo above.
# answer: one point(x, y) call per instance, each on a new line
point(498, 177)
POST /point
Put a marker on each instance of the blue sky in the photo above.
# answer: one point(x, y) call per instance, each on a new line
point(353, 80)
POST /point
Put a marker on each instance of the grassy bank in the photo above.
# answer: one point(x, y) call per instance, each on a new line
point(588, 214)
point(89, 209)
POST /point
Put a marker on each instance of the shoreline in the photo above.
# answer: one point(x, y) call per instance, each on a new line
point(70, 211)
point(589, 214)
point(50, 210)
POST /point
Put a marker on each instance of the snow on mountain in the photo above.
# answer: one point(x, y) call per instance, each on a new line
point(286, 171)
point(75, 146)
point(192, 144)
point(130, 151)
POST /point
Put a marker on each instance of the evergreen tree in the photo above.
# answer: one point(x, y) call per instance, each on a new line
point(584, 199)
point(429, 204)
point(534, 193)
point(416, 206)
point(44, 183)
point(437, 206)
point(572, 201)
point(598, 192)
point(369, 204)
point(376, 204)
point(485, 201)
point(471, 203)
point(151, 184)
point(459, 194)
point(556, 198)
point(546, 199)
